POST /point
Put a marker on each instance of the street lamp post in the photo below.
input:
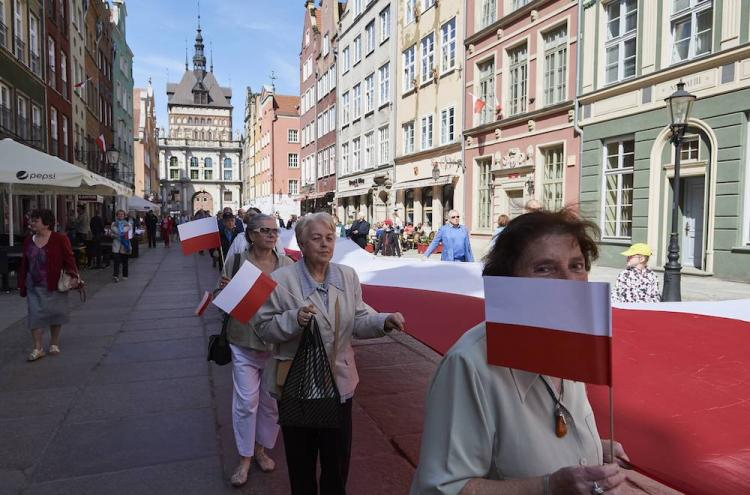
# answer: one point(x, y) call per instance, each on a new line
point(679, 104)
point(113, 157)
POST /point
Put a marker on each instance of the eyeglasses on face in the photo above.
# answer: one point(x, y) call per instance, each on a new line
point(455, 216)
point(266, 231)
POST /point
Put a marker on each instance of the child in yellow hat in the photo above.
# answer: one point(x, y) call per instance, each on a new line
point(637, 283)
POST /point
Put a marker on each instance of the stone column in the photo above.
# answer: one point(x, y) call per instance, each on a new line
point(437, 207)
point(418, 206)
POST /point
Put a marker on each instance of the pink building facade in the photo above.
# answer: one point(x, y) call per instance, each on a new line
point(519, 139)
point(308, 104)
point(278, 175)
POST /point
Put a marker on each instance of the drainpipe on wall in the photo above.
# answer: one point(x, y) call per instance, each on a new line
point(463, 118)
point(576, 127)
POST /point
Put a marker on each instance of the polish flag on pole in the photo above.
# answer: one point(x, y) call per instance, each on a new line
point(560, 328)
point(199, 235)
point(477, 103)
point(203, 305)
point(101, 143)
point(245, 293)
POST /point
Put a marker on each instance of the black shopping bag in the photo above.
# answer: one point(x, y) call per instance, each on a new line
point(310, 397)
point(218, 345)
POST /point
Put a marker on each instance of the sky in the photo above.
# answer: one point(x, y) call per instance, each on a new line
point(250, 39)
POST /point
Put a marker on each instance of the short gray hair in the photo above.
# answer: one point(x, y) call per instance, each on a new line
point(304, 223)
point(255, 222)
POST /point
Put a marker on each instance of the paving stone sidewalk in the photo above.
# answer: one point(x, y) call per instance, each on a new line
point(131, 406)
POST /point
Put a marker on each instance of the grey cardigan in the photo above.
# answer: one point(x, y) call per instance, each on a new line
point(276, 321)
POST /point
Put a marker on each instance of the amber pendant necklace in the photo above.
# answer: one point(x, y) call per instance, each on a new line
point(561, 424)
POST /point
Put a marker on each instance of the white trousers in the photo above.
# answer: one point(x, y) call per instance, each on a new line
point(254, 412)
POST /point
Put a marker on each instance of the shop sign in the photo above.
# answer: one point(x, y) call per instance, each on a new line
point(90, 198)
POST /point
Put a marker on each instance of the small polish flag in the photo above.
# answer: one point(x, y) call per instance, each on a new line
point(203, 305)
point(560, 328)
point(82, 83)
point(245, 293)
point(101, 143)
point(199, 235)
point(478, 103)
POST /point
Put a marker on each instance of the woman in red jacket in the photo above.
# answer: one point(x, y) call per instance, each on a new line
point(45, 255)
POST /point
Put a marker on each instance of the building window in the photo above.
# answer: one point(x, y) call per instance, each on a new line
point(227, 195)
point(384, 138)
point(447, 125)
point(370, 37)
point(408, 129)
point(370, 149)
point(227, 169)
point(356, 159)
point(385, 24)
point(293, 136)
point(620, 43)
point(36, 124)
point(5, 115)
point(448, 45)
point(553, 178)
point(22, 120)
point(555, 65)
point(410, 11)
point(66, 148)
point(51, 64)
point(385, 84)
point(618, 189)
point(357, 6)
point(345, 60)
point(326, 45)
point(486, 91)
point(293, 160)
point(53, 131)
point(691, 28)
point(410, 78)
point(357, 102)
point(36, 66)
point(357, 47)
point(370, 93)
point(689, 149)
point(517, 4)
point(518, 80)
point(208, 169)
point(427, 48)
point(293, 187)
point(426, 129)
point(194, 171)
point(345, 108)
point(484, 196)
point(174, 170)
point(345, 158)
point(488, 13)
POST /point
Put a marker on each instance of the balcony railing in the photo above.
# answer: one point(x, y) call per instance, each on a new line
point(20, 50)
point(3, 34)
point(22, 127)
point(5, 118)
point(36, 65)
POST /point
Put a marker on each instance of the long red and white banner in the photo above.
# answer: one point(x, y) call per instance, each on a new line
point(245, 293)
point(199, 235)
point(559, 328)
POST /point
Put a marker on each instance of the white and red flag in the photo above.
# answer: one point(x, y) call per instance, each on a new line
point(199, 235)
point(203, 305)
point(477, 103)
point(560, 328)
point(101, 143)
point(245, 293)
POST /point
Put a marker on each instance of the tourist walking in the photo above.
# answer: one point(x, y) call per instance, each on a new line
point(254, 411)
point(122, 247)
point(164, 228)
point(96, 224)
point(455, 239)
point(151, 222)
point(315, 287)
point(359, 231)
point(46, 254)
point(83, 229)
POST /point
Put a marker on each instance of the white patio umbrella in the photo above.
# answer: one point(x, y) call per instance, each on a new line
point(34, 172)
point(139, 204)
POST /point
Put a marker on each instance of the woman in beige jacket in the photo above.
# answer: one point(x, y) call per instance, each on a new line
point(329, 292)
point(254, 411)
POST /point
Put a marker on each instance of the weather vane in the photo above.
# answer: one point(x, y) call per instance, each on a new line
point(273, 80)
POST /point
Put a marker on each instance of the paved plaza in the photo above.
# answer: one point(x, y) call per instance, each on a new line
point(131, 406)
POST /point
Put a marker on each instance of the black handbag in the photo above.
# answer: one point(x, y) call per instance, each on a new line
point(218, 344)
point(310, 397)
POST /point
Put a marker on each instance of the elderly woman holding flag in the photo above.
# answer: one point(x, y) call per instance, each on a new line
point(493, 429)
point(331, 293)
point(254, 411)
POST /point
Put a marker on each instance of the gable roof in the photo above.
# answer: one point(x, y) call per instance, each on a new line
point(182, 93)
point(287, 105)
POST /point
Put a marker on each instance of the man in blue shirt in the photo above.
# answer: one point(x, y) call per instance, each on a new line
point(455, 239)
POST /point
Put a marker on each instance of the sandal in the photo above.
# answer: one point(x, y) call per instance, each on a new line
point(263, 461)
point(36, 354)
point(239, 477)
point(53, 350)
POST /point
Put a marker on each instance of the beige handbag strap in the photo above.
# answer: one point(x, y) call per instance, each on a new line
point(335, 337)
